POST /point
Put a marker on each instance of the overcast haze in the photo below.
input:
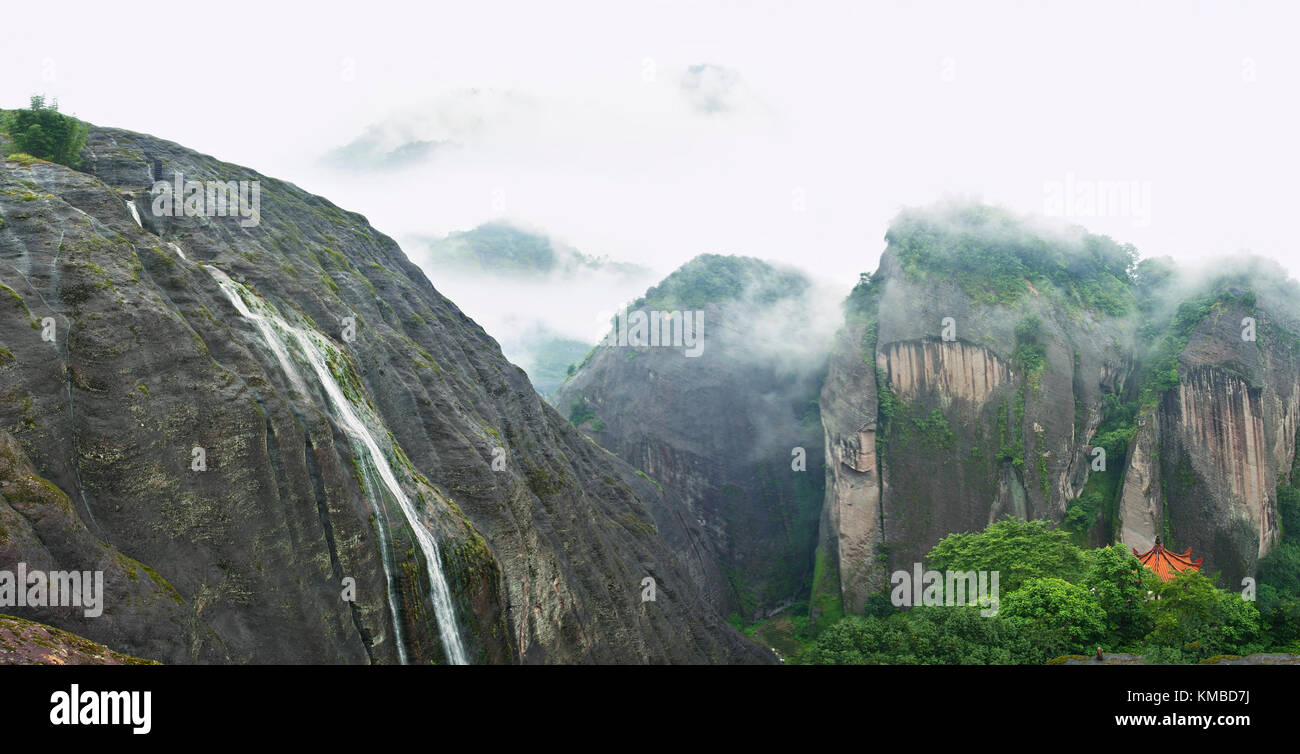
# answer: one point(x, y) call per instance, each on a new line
point(652, 132)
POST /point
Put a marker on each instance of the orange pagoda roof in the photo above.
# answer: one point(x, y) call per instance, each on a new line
point(1165, 563)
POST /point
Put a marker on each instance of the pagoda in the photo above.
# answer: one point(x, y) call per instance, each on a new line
point(1167, 564)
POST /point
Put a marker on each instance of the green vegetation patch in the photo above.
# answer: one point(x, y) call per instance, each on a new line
point(714, 278)
point(497, 247)
point(996, 257)
point(1055, 599)
point(826, 606)
point(41, 132)
point(580, 413)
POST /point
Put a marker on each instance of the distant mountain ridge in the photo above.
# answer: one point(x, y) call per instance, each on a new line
point(500, 248)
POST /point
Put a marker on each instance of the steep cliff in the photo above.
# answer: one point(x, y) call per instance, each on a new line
point(241, 423)
point(732, 431)
point(992, 367)
point(1218, 420)
point(964, 386)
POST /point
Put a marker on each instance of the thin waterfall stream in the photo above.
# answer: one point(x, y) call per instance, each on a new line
point(310, 346)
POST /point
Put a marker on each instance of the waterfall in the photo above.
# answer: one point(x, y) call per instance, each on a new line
point(134, 212)
point(311, 347)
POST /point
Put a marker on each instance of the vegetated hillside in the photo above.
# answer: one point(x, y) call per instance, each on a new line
point(985, 362)
point(718, 279)
point(733, 431)
point(203, 429)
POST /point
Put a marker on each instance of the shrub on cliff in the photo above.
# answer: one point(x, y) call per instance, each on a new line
point(43, 132)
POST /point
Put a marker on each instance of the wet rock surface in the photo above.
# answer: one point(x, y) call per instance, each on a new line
point(148, 361)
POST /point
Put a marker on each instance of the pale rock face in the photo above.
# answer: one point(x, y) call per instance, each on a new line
point(855, 511)
point(895, 488)
point(852, 520)
point(1140, 503)
point(954, 370)
point(1223, 419)
point(1240, 439)
point(1219, 422)
point(969, 438)
point(1213, 453)
point(960, 376)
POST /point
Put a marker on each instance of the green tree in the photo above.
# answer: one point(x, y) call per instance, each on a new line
point(924, 636)
point(1054, 606)
point(1018, 550)
point(1194, 620)
point(1082, 512)
point(1028, 327)
point(42, 131)
point(1120, 583)
point(843, 643)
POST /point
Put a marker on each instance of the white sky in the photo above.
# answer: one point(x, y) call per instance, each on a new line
point(866, 107)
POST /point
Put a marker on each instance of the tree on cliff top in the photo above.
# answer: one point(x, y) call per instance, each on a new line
point(42, 131)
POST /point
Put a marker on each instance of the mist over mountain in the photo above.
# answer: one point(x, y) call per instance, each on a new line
point(732, 430)
point(711, 333)
point(504, 250)
point(541, 298)
point(993, 366)
point(237, 417)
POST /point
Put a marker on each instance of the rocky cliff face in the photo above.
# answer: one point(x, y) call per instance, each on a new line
point(940, 418)
point(1207, 460)
point(236, 422)
point(732, 432)
point(986, 367)
point(852, 523)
